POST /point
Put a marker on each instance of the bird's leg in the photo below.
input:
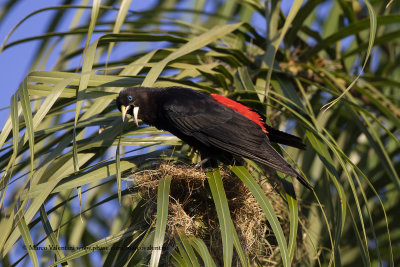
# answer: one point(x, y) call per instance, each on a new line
point(207, 163)
point(202, 162)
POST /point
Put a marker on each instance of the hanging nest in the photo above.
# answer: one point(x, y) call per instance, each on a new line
point(192, 210)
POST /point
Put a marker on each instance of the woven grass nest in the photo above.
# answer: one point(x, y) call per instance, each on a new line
point(191, 209)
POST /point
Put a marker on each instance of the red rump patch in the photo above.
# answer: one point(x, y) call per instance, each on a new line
point(242, 109)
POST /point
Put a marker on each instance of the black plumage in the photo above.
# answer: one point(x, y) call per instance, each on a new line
point(217, 127)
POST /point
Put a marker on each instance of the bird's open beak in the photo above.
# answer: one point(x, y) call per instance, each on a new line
point(124, 110)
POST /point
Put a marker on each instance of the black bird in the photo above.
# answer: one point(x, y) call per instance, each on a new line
point(218, 127)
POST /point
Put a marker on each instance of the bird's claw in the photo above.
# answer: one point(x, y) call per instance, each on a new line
point(201, 163)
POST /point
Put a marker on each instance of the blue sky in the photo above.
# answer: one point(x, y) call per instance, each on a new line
point(15, 61)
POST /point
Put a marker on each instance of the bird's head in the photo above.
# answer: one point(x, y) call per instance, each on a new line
point(126, 104)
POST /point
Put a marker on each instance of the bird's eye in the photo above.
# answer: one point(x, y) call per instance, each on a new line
point(130, 98)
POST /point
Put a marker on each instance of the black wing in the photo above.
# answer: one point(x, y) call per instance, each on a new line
point(215, 125)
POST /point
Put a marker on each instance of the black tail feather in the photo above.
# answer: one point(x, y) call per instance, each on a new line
point(271, 158)
point(304, 182)
point(283, 138)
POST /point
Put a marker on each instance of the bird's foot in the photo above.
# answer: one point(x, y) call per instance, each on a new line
point(201, 163)
point(207, 164)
